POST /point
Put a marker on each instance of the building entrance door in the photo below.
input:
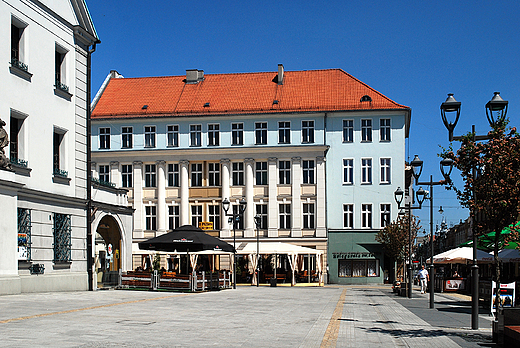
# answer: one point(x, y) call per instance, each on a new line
point(108, 252)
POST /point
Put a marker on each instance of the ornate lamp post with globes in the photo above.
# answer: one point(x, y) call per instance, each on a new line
point(234, 218)
point(448, 164)
point(496, 110)
point(399, 196)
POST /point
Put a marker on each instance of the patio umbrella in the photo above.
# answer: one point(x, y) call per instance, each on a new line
point(461, 255)
point(486, 242)
point(509, 255)
point(186, 238)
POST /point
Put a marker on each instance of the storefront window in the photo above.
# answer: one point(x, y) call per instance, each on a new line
point(358, 268)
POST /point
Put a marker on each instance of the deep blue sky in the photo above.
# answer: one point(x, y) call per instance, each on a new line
point(414, 52)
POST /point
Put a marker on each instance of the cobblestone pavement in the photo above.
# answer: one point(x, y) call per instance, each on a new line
point(246, 317)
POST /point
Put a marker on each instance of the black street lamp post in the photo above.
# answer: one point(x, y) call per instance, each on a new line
point(235, 219)
point(399, 195)
point(445, 163)
point(257, 223)
point(496, 110)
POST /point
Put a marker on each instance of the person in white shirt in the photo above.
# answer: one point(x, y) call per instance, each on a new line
point(424, 277)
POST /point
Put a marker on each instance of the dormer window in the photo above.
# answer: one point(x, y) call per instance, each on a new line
point(366, 98)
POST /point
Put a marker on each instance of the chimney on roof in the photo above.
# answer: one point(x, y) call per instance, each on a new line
point(280, 74)
point(194, 75)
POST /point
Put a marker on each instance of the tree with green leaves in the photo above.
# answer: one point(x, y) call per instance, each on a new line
point(394, 237)
point(491, 174)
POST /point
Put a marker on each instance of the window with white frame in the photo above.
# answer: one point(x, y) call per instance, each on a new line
point(285, 216)
point(213, 174)
point(260, 133)
point(238, 173)
point(196, 215)
point(195, 135)
point(18, 44)
point(366, 215)
point(358, 268)
point(261, 211)
point(284, 172)
point(149, 136)
point(173, 175)
point(308, 171)
point(214, 215)
point(384, 129)
point(284, 132)
point(348, 215)
point(261, 173)
point(348, 171)
point(173, 217)
point(104, 173)
point(126, 175)
point(348, 131)
point(104, 138)
point(16, 140)
point(127, 134)
point(60, 69)
point(366, 170)
point(151, 217)
point(385, 215)
point(385, 170)
point(172, 135)
point(214, 134)
point(196, 175)
point(237, 134)
point(150, 175)
point(308, 215)
point(307, 131)
point(366, 130)
point(58, 152)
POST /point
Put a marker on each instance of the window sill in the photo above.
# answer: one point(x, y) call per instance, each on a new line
point(348, 183)
point(58, 179)
point(348, 142)
point(21, 170)
point(366, 141)
point(366, 183)
point(126, 147)
point(149, 147)
point(384, 141)
point(21, 73)
point(62, 94)
point(62, 264)
point(166, 146)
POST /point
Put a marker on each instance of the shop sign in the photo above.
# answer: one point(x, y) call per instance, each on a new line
point(206, 225)
point(353, 255)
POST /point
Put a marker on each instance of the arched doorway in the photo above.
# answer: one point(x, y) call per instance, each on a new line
point(108, 252)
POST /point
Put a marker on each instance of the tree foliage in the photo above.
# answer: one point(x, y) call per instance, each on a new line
point(491, 174)
point(394, 237)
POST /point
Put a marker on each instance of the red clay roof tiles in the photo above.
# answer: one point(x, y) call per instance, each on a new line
point(244, 93)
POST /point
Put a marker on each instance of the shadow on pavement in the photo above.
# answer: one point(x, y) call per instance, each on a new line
point(481, 339)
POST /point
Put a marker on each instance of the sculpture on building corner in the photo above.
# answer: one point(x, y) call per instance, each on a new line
point(4, 141)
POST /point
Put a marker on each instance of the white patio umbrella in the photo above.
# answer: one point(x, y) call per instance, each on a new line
point(461, 255)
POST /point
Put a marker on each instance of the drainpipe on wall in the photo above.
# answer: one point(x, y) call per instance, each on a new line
point(90, 261)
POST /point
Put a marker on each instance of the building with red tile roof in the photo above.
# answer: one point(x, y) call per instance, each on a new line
point(314, 154)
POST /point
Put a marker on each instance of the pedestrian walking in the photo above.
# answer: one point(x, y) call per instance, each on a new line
point(424, 277)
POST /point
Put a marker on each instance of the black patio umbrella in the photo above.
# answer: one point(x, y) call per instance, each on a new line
point(186, 238)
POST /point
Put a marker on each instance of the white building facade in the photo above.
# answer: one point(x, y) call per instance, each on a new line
point(43, 94)
point(183, 144)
